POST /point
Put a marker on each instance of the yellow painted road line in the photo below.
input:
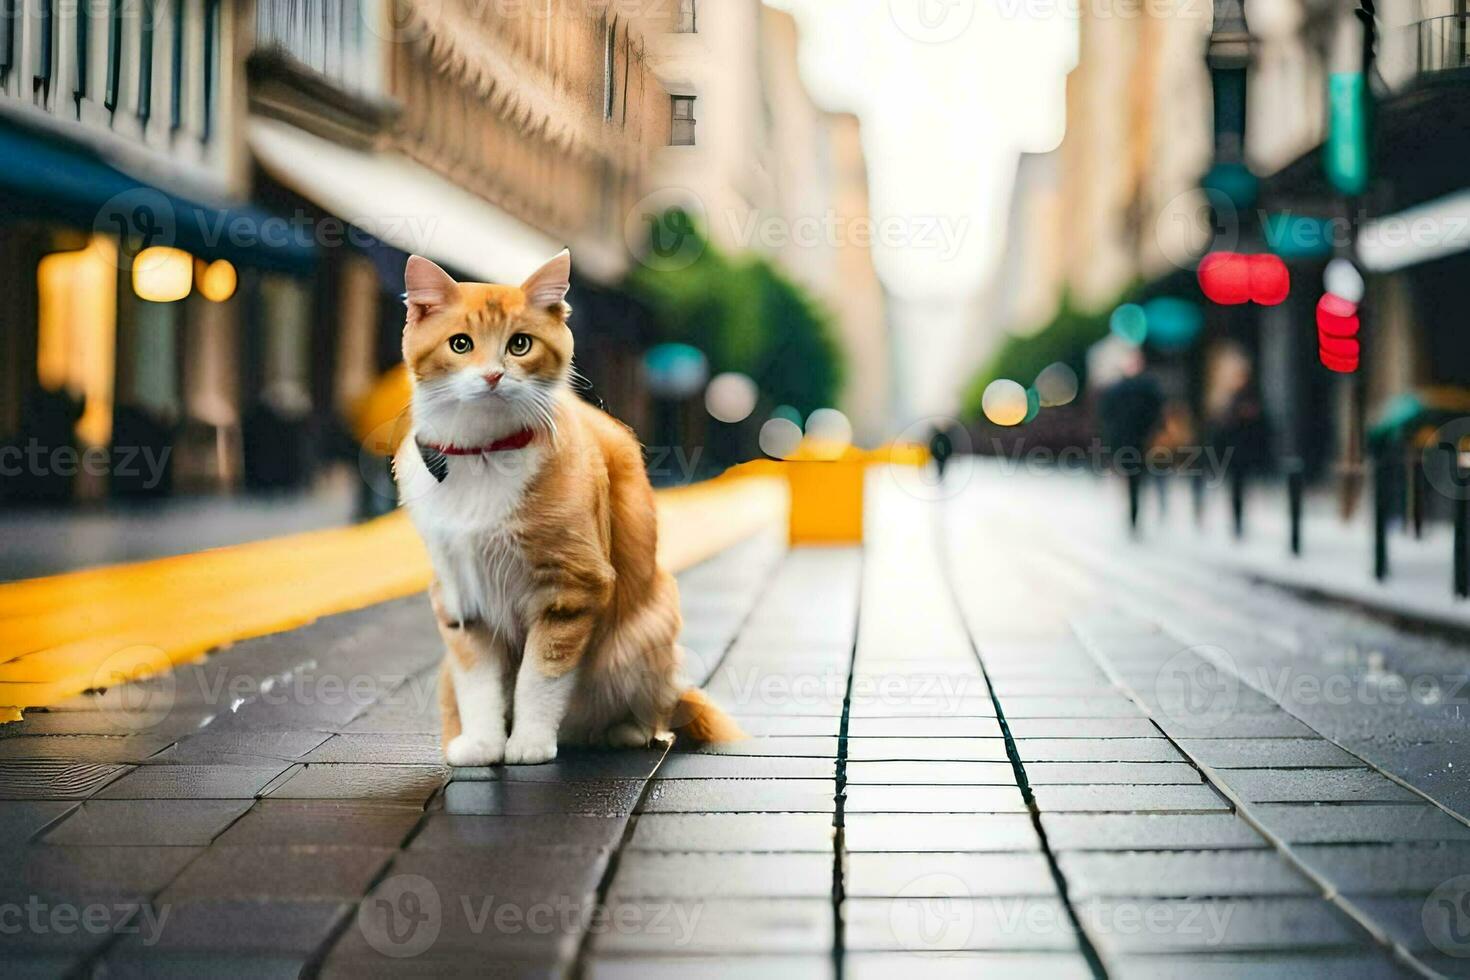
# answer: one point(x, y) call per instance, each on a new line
point(64, 634)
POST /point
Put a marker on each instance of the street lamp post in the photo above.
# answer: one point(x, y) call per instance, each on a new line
point(1230, 184)
point(1228, 54)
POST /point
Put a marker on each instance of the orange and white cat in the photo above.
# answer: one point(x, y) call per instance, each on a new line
point(539, 520)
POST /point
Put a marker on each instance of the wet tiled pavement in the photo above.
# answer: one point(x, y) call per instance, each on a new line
point(969, 756)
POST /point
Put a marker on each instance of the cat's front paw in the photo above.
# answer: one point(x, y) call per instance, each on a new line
point(530, 750)
point(474, 750)
point(629, 735)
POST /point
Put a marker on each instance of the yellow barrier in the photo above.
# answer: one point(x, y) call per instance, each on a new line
point(827, 488)
point(65, 634)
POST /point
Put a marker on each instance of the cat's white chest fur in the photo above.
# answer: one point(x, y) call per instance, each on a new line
point(465, 523)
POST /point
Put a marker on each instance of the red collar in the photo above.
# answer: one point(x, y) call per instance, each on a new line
point(516, 440)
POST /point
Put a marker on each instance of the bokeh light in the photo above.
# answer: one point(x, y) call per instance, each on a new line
point(1056, 385)
point(828, 433)
point(788, 413)
point(1270, 280)
point(1225, 278)
point(162, 274)
point(1033, 404)
point(829, 425)
point(217, 280)
point(1130, 323)
point(674, 370)
point(1342, 278)
point(780, 437)
point(1173, 323)
point(1004, 402)
point(1336, 316)
point(730, 397)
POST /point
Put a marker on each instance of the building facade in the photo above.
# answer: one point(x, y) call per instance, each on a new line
point(289, 155)
point(768, 172)
point(125, 173)
point(1120, 209)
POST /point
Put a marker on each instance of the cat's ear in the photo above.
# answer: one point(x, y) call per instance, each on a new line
point(547, 286)
point(427, 288)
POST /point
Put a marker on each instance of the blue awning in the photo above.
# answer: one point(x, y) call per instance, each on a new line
point(51, 180)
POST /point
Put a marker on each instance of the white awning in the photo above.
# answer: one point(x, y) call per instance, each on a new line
point(401, 203)
point(1429, 231)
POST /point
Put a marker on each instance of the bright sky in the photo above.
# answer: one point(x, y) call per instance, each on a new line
point(949, 92)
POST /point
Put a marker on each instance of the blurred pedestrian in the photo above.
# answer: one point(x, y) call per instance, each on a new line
point(1176, 434)
point(1236, 421)
point(1129, 411)
point(941, 447)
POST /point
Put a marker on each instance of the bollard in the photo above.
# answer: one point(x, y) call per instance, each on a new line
point(1416, 497)
point(1237, 502)
point(1462, 531)
point(1380, 522)
point(1135, 496)
point(1294, 504)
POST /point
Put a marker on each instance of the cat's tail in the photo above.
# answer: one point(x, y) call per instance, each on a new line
point(698, 718)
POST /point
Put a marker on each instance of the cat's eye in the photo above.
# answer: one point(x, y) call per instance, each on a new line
point(520, 345)
point(461, 343)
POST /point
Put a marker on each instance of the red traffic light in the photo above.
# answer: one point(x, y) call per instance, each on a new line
point(1225, 278)
point(1270, 280)
point(1337, 332)
point(1342, 365)
point(1230, 279)
point(1337, 346)
point(1336, 317)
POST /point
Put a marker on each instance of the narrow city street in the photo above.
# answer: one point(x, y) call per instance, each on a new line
point(996, 739)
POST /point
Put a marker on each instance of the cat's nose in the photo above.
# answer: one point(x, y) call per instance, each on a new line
point(493, 378)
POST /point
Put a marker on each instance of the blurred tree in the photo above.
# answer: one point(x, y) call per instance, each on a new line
point(746, 316)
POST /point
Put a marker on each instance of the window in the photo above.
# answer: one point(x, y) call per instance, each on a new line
point(686, 23)
point(83, 39)
point(609, 69)
point(145, 62)
point(211, 65)
point(176, 70)
point(627, 66)
point(45, 42)
point(114, 55)
point(683, 128)
point(7, 36)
